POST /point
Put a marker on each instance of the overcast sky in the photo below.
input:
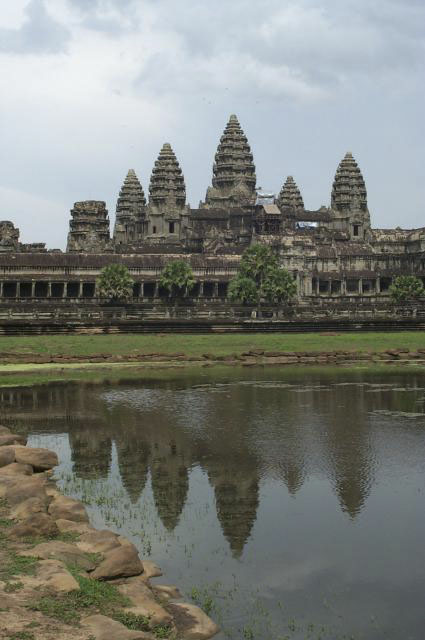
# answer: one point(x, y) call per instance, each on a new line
point(91, 88)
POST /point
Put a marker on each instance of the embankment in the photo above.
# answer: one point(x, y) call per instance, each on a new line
point(60, 578)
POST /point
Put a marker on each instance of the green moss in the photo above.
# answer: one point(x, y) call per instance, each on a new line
point(15, 565)
point(93, 595)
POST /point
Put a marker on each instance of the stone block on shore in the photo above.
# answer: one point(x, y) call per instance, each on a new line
point(121, 562)
point(38, 524)
point(144, 603)
point(17, 469)
point(192, 623)
point(104, 628)
point(67, 553)
point(40, 459)
point(65, 508)
point(12, 438)
point(7, 456)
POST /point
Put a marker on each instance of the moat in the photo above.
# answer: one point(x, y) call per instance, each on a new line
point(287, 502)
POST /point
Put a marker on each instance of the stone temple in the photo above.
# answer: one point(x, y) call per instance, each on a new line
point(335, 255)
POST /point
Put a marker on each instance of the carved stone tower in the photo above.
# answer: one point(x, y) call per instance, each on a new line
point(349, 200)
point(290, 196)
point(89, 228)
point(234, 179)
point(130, 211)
point(167, 196)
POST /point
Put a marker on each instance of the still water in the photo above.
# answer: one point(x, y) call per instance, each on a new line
point(287, 502)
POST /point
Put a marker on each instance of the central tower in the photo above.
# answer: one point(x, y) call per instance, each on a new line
point(234, 179)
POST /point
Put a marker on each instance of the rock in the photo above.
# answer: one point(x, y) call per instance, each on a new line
point(124, 541)
point(53, 575)
point(16, 469)
point(39, 459)
point(150, 570)
point(7, 456)
point(12, 438)
point(52, 491)
point(4, 431)
point(192, 623)
point(144, 603)
point(67, 553)
point(169, 592)
point(103, 628)
point(76, 527)
point(65, 508)
point(39, 524)
point(23, 487)
point(27, 508)
point(121, 562)
point(98, 541)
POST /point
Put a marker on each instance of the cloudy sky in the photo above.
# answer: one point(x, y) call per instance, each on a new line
point(90, 88)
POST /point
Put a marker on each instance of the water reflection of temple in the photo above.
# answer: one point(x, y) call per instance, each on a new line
point(236, 435)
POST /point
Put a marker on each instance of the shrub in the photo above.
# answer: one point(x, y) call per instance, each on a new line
point(115, 283)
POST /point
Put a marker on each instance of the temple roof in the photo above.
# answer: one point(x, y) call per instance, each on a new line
point(131, 200)
point(234, 176)
point(290, 196)
point(349, 189)
point(167, 185)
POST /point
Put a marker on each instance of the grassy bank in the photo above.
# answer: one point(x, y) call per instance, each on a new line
point(196, 345)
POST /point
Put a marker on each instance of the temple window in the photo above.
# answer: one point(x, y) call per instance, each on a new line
point(336, 286)
point(41, 289)
point(352, 286)
point(154, 229)
point(26, 289)
point(88, 289)
point(356, 228)
point(57, 289)
point(171, 227)
point(9, 289)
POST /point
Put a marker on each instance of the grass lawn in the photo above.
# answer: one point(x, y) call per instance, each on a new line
point(196, 345)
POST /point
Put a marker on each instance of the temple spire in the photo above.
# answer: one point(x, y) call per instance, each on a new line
point(349, 200)
point(167, 196)
point(167, 182)
point(349, 189)
point(290, 196)
point(130, 211)
point(234, 179)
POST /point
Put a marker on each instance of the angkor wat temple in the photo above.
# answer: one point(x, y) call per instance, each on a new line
point(333, 252)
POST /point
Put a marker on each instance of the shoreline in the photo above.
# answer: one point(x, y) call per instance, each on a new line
point(64, 579)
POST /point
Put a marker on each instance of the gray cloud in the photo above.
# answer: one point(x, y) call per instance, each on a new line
point(38, 34)
point(309, 79)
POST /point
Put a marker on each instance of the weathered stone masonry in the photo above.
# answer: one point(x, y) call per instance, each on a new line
point(333, 252)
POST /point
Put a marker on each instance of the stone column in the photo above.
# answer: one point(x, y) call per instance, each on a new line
point(49, 289)
point(378, 285)
point(317, 286)
point(201, 289)
point(1, 289)
point(360, 286)
point(80, 289)
point(65, 284)
point(33, 289)
point(18, 289)
point(344, 286)
point(155, 293)
point(215, 293)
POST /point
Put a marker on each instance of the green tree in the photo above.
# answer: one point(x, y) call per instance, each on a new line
point(115, 283)
point(406, 288)
point(243, 289)
point(177, 277)
point(261, 278)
